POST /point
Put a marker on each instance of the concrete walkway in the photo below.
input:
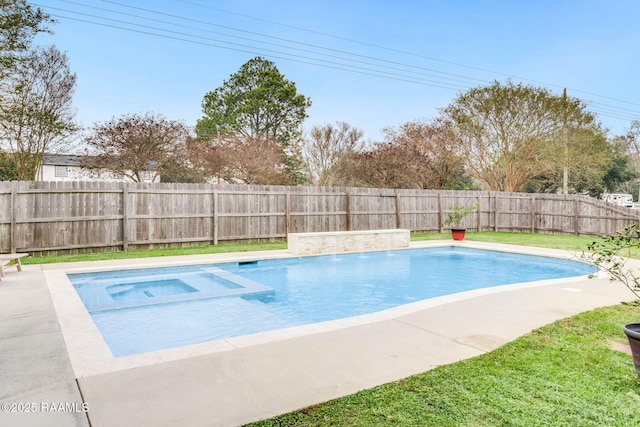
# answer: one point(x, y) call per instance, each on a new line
point(253, 378)
point(35, 372)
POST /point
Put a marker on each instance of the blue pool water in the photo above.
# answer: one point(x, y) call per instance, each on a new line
point(150, 309)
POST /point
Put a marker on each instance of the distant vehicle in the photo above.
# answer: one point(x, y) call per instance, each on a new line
point(620, 199)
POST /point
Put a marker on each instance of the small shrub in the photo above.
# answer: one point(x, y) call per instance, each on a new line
point(605, 254)
point(458, 214)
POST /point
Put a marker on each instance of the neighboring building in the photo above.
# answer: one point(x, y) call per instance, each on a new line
point(621, 199)
point(68, 167)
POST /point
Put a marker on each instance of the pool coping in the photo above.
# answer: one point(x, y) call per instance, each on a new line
point(90, 355)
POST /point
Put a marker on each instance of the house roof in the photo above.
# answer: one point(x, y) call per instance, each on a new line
point(77, 160)
point(62, 159)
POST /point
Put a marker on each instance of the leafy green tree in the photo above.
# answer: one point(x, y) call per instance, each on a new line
point(36, 112)
point(178, 169)
point(509, 129)
point(621, 172)
point(20, 22)
point(257, 102)
point(7, 168)
point(294, 165)
point(585, 155)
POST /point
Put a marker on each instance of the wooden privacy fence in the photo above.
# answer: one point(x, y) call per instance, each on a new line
point(76, 217)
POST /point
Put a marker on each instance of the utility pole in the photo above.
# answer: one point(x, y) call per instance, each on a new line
point(565, 171)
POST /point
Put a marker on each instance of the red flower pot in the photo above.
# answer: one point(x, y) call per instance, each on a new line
point(457, 233)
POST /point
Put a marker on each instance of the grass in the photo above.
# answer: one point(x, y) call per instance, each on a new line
point(554, 241)
point(564, 374)
point(193, 250)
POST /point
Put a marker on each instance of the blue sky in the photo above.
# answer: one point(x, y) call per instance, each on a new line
point(431, 50)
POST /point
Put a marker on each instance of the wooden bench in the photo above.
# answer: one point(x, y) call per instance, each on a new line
point(10, 260)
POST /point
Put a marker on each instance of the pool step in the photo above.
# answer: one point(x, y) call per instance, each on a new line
point(165, 290)
point(246, 287)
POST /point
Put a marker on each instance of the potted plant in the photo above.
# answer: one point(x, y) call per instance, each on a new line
point(456, 217)
point(605, 254)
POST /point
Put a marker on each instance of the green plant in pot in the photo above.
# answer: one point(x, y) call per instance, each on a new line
point(455, 218)
point(608, 254)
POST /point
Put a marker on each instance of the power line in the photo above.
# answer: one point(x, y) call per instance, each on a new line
point(399, 51)
point(263, 42)
point(297, 42)
point(408, 80)
point(379, 70)
point(602, 111)
point(363, 43)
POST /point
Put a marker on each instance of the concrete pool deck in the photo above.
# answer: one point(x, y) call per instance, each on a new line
point(239, 380)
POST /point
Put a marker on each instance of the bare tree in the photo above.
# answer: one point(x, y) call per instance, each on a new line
point(254, 160)
point(436, 148)
point(325, 146)
point(205, 158)
point(385, 166)
point(36, 114)
point(633, 142)
point(134, 144)
point(247, 160)
point(417, 154)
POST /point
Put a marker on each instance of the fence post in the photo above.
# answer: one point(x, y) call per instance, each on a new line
point(125, 217)
point(12, 231)
point(215, 217)
point(478, 215)
point(348, 206)
point(440, 224)
point(287, 215)
point(576, 215)
point(533, 214)
point(495, 211)
point(398, 213)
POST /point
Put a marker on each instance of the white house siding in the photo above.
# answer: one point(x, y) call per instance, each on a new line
point(64, 167)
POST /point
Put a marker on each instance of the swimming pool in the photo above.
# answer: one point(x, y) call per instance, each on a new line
point(144, 310)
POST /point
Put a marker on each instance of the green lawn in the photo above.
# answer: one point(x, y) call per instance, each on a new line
point(555, 241)
point(564, 374)
point(543, 240)
point(194, 250)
